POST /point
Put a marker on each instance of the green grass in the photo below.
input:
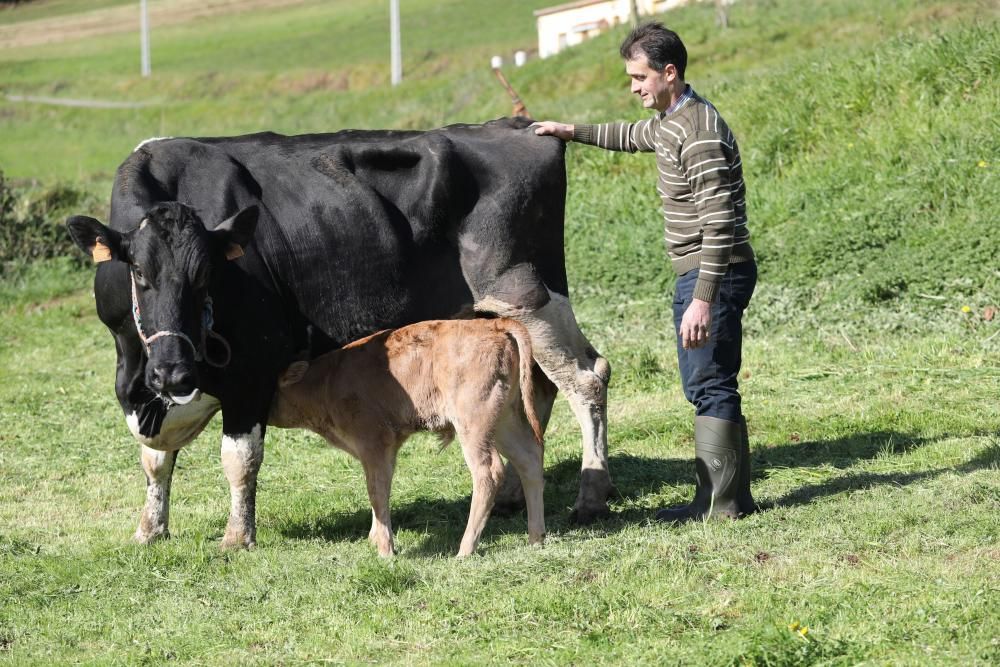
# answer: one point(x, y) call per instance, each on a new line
point(877, 463)
point(871, 149)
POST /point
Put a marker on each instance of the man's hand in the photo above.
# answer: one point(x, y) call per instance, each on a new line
point(560, 130)
point(696, 324)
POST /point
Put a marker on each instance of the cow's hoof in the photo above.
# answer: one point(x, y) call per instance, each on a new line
point(236, 542)
point(584, 516)
point(148, 537)
point(592, 503)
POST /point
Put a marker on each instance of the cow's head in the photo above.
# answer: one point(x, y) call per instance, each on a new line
point(172, 259)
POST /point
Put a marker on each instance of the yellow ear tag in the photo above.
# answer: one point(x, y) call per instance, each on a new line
point(100, 253)
point(233, 251)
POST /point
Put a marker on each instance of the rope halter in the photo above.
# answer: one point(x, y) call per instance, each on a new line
point(200, 352)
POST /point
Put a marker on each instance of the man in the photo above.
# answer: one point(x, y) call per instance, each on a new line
point(704, 207)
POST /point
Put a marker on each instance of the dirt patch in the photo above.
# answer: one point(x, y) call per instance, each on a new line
point(110, 20)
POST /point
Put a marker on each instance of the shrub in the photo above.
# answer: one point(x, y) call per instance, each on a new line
point(31, 223)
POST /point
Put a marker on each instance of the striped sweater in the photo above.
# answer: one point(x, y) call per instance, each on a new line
point(701, 185)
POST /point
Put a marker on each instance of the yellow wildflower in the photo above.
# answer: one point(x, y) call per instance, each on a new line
point(983, 164)
point(966, 309)
point(793, 626)
point(804, 630)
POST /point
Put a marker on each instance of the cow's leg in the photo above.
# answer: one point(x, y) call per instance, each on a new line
point(160, 440)
point(242, 454)
point(379, 465)
point(159, 469)
point(516, 442)
point(487, 475)
point(582, 374)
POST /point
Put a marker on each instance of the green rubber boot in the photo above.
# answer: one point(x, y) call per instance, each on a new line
point(745, 499)
point(722, 466)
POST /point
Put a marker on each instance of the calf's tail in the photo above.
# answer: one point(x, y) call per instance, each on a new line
point(520, 335)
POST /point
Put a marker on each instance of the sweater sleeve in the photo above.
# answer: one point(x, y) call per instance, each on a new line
point(629, 137)
point(705, 159)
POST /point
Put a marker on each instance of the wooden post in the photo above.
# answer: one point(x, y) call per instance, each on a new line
point(396, 47)
point(519, 108)
point(144, 39)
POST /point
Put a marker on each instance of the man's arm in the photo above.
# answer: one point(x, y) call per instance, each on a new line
point(559, 130)
point(628, 137)
point(705, 159)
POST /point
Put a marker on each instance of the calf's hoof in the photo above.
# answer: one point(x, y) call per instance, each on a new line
point(508, 509)
point(510, 497)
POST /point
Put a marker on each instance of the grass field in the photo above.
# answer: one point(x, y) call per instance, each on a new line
point(871, 376)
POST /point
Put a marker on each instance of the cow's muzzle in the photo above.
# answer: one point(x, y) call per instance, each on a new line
point(176, 382)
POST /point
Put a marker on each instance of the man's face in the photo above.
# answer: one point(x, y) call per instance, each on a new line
point(653, 86)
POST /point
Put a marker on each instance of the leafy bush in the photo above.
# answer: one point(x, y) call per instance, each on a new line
point(31, 223)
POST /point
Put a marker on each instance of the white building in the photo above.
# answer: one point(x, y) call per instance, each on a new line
point(571, 23)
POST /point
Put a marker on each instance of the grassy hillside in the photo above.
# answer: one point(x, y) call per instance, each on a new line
point(870, 381)
point(868, 129)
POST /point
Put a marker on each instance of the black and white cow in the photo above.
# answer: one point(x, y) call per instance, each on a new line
point(226, 257)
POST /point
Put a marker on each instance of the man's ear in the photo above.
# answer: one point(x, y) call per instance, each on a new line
point(235, 233)
point(101, 243)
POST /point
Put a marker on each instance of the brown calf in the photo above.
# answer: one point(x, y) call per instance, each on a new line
point(470, 377)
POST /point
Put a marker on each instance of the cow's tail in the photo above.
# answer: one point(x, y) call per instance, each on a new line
point(520, 335)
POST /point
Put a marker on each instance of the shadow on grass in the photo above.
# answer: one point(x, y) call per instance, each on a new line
point(443, 521)
point(988, 458)
point(636, 477)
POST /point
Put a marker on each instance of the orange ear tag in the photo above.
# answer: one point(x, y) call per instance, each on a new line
point(100, 253)
point(233, 251)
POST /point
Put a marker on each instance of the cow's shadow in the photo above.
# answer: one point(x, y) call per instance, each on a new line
point(639, 481)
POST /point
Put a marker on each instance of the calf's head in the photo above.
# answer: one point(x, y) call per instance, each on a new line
point(172, 260)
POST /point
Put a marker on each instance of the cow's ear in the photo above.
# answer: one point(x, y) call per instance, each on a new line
point(234, 234)
point(101, 243)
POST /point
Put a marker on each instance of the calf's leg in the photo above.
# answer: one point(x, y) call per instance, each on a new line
point(576, 368)
point(379, 463)
point(487, 475)
point(516, 442)
point(510, 498)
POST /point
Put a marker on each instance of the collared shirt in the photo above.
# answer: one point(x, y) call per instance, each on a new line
point(681, 101)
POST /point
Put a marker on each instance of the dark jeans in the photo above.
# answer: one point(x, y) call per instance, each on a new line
point(710, 373)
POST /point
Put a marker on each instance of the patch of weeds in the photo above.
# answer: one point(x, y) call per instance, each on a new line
point(15, 547)
point(795, 647)
point(641, 367)
point(377, 576)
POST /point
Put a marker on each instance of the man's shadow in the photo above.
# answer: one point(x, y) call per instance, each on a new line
point(845, 452)
point(636, 478)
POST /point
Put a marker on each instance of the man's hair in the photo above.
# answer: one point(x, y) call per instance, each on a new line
point(659, 44)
